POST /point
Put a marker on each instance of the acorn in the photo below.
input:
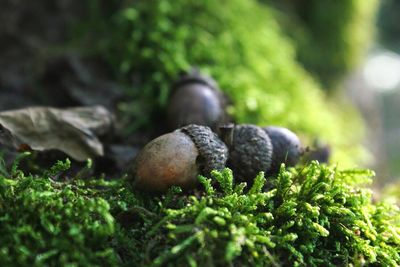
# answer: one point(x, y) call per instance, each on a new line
point(195, 99)
point(320, 152)
point(286, 145)
point(250, 151)
point(177, 158)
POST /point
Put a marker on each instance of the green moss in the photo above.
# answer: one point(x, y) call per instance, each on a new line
point(331, 36)
point(251, 58)
point(49, 223)
point(391, 192)
point(313, 216)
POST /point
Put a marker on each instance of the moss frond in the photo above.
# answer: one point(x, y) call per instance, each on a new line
point(315, 216)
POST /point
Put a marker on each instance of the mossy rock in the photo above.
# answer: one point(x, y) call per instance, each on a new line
point(331, 37)
point(241, 45)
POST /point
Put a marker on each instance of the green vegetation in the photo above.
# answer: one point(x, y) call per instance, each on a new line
point(391, 192)
point(251, 58)
point(315, 215)
point(330, 36)
point(310, 217)
point(46, 222)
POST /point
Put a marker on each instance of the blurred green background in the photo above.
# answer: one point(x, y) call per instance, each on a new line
point(389, 39)
point(374, 86)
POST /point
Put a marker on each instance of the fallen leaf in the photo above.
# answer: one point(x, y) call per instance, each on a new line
point(73, 131)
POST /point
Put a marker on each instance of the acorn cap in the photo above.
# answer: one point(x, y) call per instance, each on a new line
point(287, 147)
point(213, 153)
point(250, 153)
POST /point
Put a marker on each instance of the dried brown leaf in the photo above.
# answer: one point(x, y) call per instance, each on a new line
point(73, 131)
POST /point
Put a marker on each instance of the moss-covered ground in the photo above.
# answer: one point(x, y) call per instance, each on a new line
point(310, 216)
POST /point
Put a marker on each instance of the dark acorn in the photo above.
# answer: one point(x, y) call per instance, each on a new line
point(320, 151)
point(286, 145)
point(195, 99)
point(177, 158)
point(250, 151)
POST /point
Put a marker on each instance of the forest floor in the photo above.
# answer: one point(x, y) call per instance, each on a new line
point(39, 66)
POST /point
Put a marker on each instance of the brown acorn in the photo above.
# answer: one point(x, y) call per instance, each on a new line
point(195, 99)
point(177, 158)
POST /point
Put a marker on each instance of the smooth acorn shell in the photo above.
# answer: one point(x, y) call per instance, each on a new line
point(286, 145)
point(166, 161)
point(194, 103)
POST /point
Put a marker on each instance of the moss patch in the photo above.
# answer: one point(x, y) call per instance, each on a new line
point(240, 44)
point(331, 36)
point(316, 215)
point(50, 223)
